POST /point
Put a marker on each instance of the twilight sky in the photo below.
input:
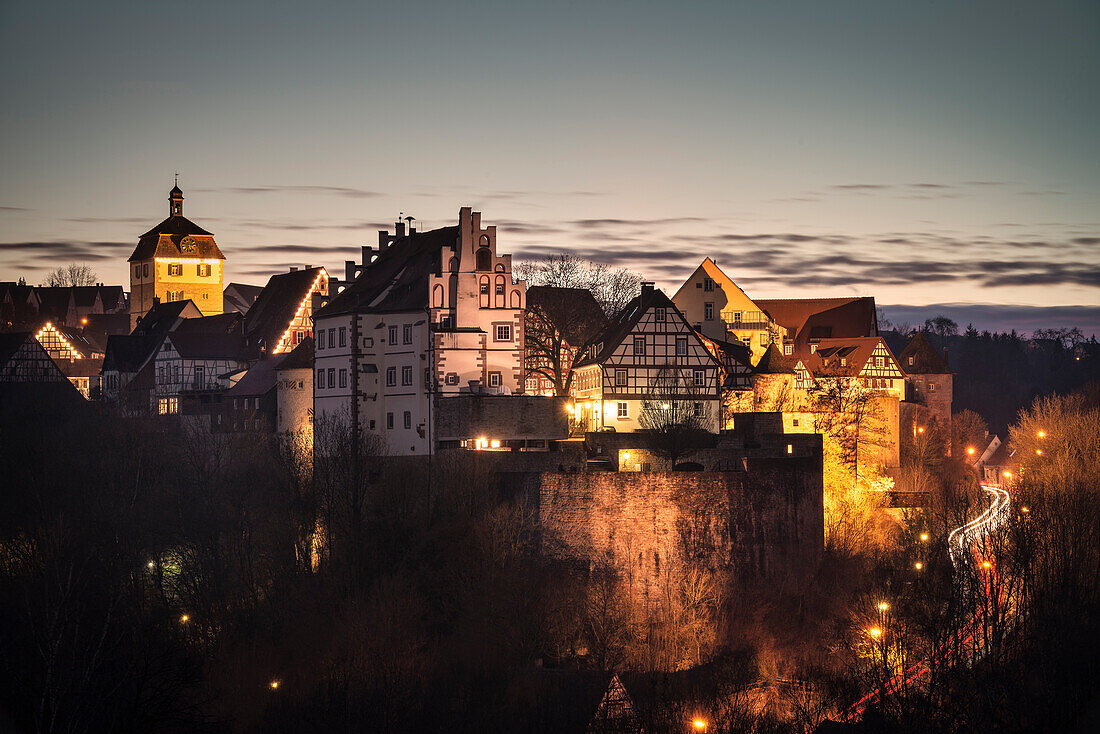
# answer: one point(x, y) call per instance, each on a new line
point(921, 151)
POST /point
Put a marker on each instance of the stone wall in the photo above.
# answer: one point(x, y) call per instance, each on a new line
point(766, 520)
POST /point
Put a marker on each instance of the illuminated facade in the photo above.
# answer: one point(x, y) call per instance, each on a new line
point(74, 354)
point(646, 342)
point(176, 261)
point(281, 317)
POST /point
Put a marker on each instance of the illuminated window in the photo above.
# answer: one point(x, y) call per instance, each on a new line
point(175, 268)
point(911, 361)
point(504, 333)
point(202, 270)
point(391, 376)
point(406, 375)
point(622, 410)
point(788, 349)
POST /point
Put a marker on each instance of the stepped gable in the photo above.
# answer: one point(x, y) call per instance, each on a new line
point(397, 279)
point(926, 359)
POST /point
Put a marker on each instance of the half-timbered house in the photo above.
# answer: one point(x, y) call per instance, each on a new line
point(649, 344)
point(558, 323)
point(75, 355)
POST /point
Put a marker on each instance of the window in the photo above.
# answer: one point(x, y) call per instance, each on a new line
point(911, 361)
point(504, 333)
point(621, 410)
point(200, 377)
point(389, 421)
point(451, 378)
point(321, 339)
point(843, 361)
point(813, 348)
point(175, 268)
point(639, 346)
point(391, 376)
point(794, 423)
point(406, 375)
point(681, 346)
point(393, 335)
point(659, 315)
point(408, 419)
point(343, 378)
point(446, 321)
point(332, 377)
point(368, 342)
point(708, 311)
point(931, 386)
point(407, 334)
point(790, 448)
point(699, 378)
point(320, 378)
point(697, 410)
point(202, 270)
point(343, 336)
point(494, 379)
point(500, 287)
point(484, 256)
point(299, 336)
point(737, 317)
point(145, 270)
point(880, 361)
point(708, 285)
point(620, 378)
point(137, 271)
point(372, 424)
point(331, 338)
point(788, 349)
point(484, 286)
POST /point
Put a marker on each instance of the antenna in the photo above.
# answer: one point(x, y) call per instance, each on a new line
point(177, 181)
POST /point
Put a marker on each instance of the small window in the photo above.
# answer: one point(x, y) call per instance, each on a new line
point(393, 335)
point(639, 346)
point(408, 419)
point(794, 423)
point(391, 376)
point(500, 288)
point(343, 336)
point(697, 409)
point(331, 338)
point(332, 377)
point(708, 285)
point(620, 378)
point(389, 421)
point(484, 286)
point(659, 315)
point(175, 269)
point(843, 361)
point(145, 270)
point(494, 379)
point(699, 378)
point(368, 342)
point(880, 361)
point(407, 334)
point(681, 346)
point(911, 361)
point(203, 270)
point(790, 448)
point(708, 311)
point(343, 378)
point(504, 333)
point(320, 340)
point(446, 321)
point(813, 348)
point(372, 424)
point(931, 386)
point(137, 271)
point(788, 349)
point(451, 379)
point(622, 410)
point(406, 375)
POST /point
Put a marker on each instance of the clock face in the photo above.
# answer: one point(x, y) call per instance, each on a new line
point(189, 244)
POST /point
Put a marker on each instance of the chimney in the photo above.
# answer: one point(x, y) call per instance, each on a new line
point(399, 229)
point(383, 240)
point(647, 288)
point(294, 268)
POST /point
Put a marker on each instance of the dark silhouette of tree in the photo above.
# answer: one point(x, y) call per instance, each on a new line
point(70, 275)
point(675, 416)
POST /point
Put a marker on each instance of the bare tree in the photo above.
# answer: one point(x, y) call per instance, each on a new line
point(611, 287)
point(70, 275)
point(968, 430)
point(676, 416)
point(558, 323)
point(848, 412)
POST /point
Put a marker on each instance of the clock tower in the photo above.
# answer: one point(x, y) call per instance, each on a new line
point(177, 260)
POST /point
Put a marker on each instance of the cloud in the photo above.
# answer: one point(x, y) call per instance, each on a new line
point(15, 209)
point(60, 253)
point(323, 190)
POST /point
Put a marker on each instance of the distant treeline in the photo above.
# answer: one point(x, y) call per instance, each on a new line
point(999, 374)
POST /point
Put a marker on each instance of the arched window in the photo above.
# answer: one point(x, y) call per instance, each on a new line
point(500, 267)
point(437, 296)
point(484, 258)
point(483, 288)
point(500, 291)
point(517, 300)
point(452, 266)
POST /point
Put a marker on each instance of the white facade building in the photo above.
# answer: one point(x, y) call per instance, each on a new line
point(427, 313)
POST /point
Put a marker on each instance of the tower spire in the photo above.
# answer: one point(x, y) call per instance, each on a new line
point(175, 199)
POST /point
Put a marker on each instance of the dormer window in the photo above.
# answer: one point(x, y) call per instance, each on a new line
point(813, 348)
point(911, 361)
point(843, 361)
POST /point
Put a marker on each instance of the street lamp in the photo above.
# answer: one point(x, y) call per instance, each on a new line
point(883, 606)
point(184, 619)
point(918, 565)
point(699, 725)
point(970, 450)
point(875, 632)
point(1038, 452)
point(924, 537)
point(274, 685)
point(1041, 434)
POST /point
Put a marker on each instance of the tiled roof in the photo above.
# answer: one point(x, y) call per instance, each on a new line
point(209, 346)
point(127, 352)
point(240, 297)
point(822, 318)
point(855, 352)
point(926, 359)
point(10, 343)
point(164, 240)
point(623, 323)
point(773, 362)
point(77, 340)
point(270, 316)
point(397, 280)
point(301, 357)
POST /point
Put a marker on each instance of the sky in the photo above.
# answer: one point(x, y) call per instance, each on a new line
point(928, 153)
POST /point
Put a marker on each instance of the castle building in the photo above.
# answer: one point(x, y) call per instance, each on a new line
point(928, 378)
point(428, 315)
point(648, 348)
point(177, 260)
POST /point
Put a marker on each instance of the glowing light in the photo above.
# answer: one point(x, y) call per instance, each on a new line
point(1008, 475)
point(920, 430)
point(284, 340)
point(970, 450)
point(883, 606)
point(699, 725)
point(481, 443)
point(49, 326)
point(184, 619)
point(274, 685)
point(495, 443)
point(199, 260)
point(84, 320)
point(1025, 509)
point(1041, 434)
point(1038, 452)
point(875, 632)
point(665, 406)
point(924, 537)
point(569, 408)
point(918, 565)
point(987, 564)
point(626, 455)
point(151, 564)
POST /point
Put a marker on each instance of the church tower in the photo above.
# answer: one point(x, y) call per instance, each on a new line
point(177, 260)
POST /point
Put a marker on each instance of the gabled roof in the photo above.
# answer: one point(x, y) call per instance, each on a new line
point(274, 309)
point(240, 297)
point(53, 302)
point(926, 359)
point(10, 343)
point(301, 357)
point(259, 380)
point(76, 339)
point(127, 352)
point(813, 319)
point(573, 311)
point(164, 240)
point(222, 323)
point(397, 280)
point(774, 362)
point(624, 322)
point(163, 316)
point(85, 295)
point(209, 346)
point(830, 352)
